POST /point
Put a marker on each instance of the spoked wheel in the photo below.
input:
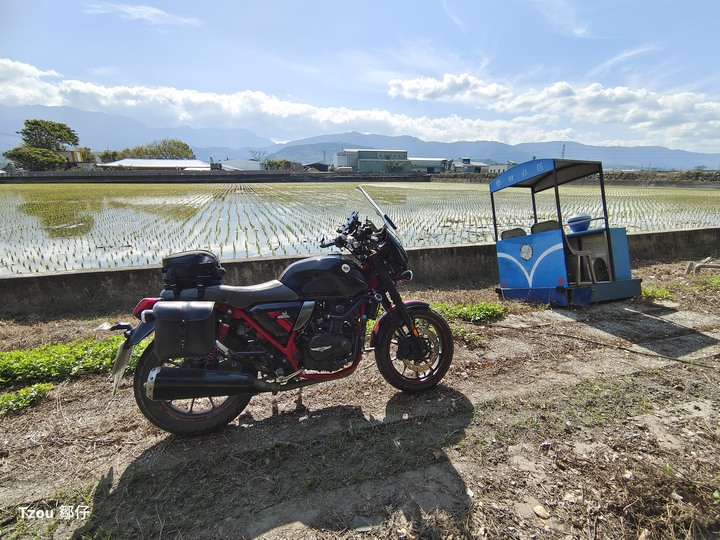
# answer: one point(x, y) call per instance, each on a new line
point(183, 416)
point(411, 366)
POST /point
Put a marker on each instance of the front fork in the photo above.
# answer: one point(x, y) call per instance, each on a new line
point(397, 314)
point(396, 307)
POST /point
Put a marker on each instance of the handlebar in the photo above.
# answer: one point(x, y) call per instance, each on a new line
point(333, 243)
point(358, 238)
point(341, 241)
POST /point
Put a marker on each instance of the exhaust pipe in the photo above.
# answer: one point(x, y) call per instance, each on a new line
point(166, 384)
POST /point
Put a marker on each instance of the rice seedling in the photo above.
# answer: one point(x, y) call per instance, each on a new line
point(49, 228)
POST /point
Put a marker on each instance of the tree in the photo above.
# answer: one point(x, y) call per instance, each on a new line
point(106, 156)
point(41, 140)
point(164, 149)
point(259, 155)
point(394, 166)
point(48, 134)
point(279, 164)
point(36, 159)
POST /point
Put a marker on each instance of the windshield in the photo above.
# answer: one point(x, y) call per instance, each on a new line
point(383, 216)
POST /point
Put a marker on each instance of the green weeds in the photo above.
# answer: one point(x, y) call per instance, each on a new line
point(477, 313)
point(471, 339)
point(655, 292)
point(710, 283)
point(57, 362)
point(12, 402)
point(32, 370)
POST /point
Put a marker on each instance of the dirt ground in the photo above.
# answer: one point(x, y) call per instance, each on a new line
point(593, 422)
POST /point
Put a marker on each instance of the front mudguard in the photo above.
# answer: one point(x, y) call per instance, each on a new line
point(384, 323)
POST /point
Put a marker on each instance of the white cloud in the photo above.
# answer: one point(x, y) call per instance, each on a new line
point(138, 12)
point(677, 120)
point(463, 87)
point(591, 114)
point(23, 84)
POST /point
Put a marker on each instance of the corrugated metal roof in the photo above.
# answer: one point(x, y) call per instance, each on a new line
point(159, 163)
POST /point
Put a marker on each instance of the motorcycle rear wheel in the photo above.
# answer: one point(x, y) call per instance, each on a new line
point(183, 416)
point(413, 371)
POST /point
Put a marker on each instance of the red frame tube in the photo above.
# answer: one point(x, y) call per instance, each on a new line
point(290, 350)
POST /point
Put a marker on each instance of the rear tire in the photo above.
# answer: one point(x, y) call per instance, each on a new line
point(183, 416)
point(409, 371)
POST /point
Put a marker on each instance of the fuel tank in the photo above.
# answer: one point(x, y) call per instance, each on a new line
point(326, 276)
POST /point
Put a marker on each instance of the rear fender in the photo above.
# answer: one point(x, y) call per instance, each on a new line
point(140, 332)
point(383, 324)
point(133, 336)
point(142, 311)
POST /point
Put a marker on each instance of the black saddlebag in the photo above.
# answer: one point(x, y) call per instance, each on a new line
point(191, 269)
point(184, 329)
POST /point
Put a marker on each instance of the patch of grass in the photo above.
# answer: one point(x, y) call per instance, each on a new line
point(477, 313)
point(470, 339)
point(37, 367)
point(711, 283)
point(57, 362)
point(13, 402)
point(655, 292)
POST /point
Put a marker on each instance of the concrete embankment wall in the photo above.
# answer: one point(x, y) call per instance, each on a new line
point(118, 290)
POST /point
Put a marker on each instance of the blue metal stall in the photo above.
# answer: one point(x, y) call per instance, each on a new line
point(581, 260)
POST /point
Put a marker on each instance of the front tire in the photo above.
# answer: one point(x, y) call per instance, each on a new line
point(183, 416)
point(410, 370)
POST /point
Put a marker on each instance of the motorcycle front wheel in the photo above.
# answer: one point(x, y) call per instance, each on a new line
point(183, 416)
point(406, 366)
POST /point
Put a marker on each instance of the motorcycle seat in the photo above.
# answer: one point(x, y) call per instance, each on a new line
point(238, 296)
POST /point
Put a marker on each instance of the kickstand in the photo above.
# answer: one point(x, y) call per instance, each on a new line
point(299, 406)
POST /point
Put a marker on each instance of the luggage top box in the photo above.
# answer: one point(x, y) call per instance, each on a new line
point(191, 269)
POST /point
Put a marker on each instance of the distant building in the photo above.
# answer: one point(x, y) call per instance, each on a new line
point(157, 164)
point(74, 159)
point(242, 165)
point(316, 166)
point(498, 168)
point(466, 164)
point(430, 165)
point(370, 160)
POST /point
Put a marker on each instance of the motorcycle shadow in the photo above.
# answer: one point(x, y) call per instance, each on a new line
point(332, 469)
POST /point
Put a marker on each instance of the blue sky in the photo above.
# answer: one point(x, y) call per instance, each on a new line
point(602, 72)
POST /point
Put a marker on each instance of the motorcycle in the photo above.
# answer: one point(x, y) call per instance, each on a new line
point(217, 345)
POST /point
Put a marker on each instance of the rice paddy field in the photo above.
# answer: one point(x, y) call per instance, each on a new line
point(48, 228)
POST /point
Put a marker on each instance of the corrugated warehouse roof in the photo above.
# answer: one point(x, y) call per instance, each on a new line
point(169, 164)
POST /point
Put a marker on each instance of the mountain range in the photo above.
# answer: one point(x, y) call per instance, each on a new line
point(101, 131)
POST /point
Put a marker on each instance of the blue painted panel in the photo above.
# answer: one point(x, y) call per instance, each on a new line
point(616, 290)
point(540, 295)
point(532, 261)
point(621, 253)
point(522, 172)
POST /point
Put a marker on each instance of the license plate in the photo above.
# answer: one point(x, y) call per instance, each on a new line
point(122, 358)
